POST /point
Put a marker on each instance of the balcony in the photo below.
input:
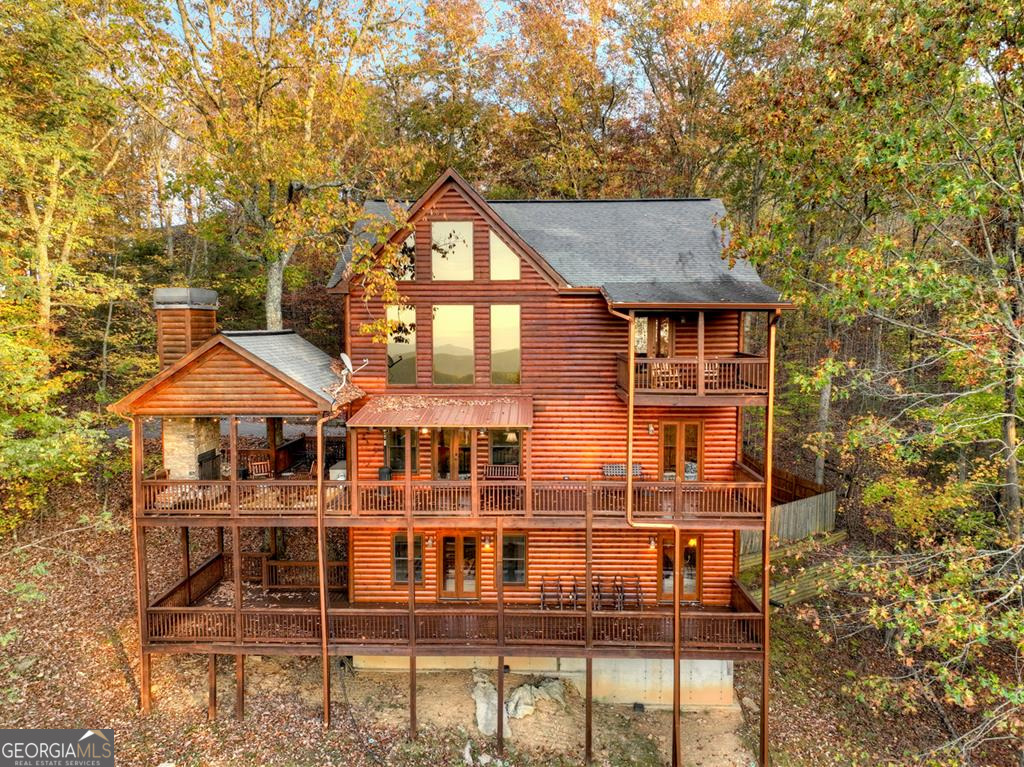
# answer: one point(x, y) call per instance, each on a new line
point(733, 631)
point(565, 503)
point(733, 380)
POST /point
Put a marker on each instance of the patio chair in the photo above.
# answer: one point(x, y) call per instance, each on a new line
point(259, 469)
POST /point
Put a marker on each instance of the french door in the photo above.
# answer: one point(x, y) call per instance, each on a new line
point(682, 453)
point(459, 566)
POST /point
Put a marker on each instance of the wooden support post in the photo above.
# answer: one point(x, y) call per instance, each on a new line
point(410, 540)
point(410, 434)
point(146, 688)
point(474, 474)
point(186, 564)
point(701, 373)
point(211, 674)
point(322, 578)
point(677, 555)
point(588, 572)
point(353, 471)
point(233, 448)
point(239, 686)
point(527, 459)
point(412, 693)
point(139, 553)
point(499, 576)
point(272, 429)
point(588, 727)
point(766, 540)
point(501, 705)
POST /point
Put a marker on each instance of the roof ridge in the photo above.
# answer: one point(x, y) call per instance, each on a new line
point(284, 332)
point(610, 199)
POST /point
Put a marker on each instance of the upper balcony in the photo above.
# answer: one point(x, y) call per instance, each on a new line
point(739, 379)
point(564, 503)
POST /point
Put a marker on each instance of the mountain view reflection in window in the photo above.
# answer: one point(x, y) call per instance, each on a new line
point(453, 344)
point(506, 355)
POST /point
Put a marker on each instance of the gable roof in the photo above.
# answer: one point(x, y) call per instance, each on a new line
point(635, 251)
point(282, 356)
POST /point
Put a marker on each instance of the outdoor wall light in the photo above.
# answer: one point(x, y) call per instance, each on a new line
point(651, 543)
point(488, 542)
point(650, 429)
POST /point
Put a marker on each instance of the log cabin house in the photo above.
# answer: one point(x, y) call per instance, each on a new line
point(541, 469)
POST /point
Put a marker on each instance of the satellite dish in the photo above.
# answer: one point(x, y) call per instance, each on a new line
point(347, 362)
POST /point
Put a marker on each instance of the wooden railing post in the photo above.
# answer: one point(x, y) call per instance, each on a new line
point(233, 447)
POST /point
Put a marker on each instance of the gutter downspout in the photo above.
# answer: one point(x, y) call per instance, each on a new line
point(676, 622)
point(321, 553)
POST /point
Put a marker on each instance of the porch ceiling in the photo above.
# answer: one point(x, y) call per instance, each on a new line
point(415, 411)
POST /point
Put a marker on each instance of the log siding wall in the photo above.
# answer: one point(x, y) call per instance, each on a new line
point(569, 344)
point(550, 553)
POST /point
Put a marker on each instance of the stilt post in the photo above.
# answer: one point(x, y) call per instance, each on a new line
point(211, 674)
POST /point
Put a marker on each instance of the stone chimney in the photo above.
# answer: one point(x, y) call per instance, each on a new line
point(186, 318)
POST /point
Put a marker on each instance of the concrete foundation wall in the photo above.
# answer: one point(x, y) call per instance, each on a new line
point(616, 680)
point(185, 439)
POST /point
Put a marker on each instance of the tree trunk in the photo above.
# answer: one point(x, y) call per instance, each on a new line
point(824, 407)
point(272, 299)
point(45, 279)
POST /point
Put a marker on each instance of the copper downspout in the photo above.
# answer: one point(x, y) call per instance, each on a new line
point(676, 627)
point(321, 553)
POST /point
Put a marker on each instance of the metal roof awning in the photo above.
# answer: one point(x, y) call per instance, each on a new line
point(414, 411)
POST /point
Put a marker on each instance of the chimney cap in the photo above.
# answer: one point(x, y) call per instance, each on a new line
point(184, 298)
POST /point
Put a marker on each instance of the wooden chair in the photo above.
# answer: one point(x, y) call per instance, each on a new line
point(501, 471)
point(666, 375)
point(259, 469)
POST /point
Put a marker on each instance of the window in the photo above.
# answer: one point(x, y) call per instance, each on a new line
point(504, 447)
point(513, 560)
point(681, 451)
point(453, 344)
point(405, 269)
point(400, 558)
point(394, 451)
point(506, 354)
point(690, 591)
point(401, 345)
point(504, 261)
point(451, 250)
point(654, 337)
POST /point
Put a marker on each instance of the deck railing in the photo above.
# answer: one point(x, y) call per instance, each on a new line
point(739, 374)
point(739, 628)
point(740, 501)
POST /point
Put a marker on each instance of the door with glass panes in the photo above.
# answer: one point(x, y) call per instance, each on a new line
point(682, 451)
point(459, 566)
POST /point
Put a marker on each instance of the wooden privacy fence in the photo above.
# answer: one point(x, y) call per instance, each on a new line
point(795, 521)
point(786, 486)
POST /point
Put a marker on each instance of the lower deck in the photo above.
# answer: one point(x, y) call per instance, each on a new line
point(210, 611)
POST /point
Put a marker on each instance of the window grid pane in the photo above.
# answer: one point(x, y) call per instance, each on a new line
point(400, 559)
point(451, 252)
point(402, 345)
point(504, 261)
point(513, 560)
point(453, 344)
point(506, 351)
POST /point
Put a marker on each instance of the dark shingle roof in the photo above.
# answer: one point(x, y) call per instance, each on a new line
point(638, 251)
point(290, 354)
